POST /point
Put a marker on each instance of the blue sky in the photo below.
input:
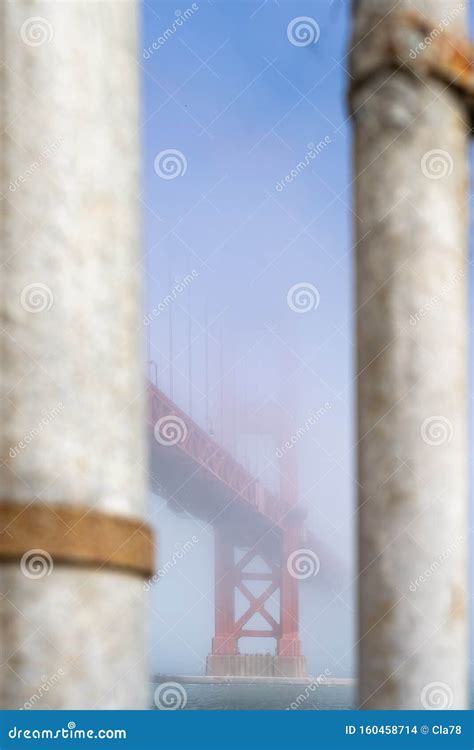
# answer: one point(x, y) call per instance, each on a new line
point(240, 103)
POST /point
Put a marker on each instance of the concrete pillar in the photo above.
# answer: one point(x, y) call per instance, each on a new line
point(72, 420)
point(410, 176)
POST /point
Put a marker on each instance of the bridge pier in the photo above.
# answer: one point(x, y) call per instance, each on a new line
point(231, 576)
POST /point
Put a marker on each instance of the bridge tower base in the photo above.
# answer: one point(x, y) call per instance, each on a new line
point(256, 665)
point(232, 576)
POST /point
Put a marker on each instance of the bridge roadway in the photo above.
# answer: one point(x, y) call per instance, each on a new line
point(198, 476)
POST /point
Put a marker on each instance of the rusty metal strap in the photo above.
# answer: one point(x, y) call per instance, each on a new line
point(411, 42)
point(41, 536)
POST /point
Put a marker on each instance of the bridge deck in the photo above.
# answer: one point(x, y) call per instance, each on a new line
point(199, 476)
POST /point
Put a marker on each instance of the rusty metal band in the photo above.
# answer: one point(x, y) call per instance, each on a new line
point(76, 535)
point(409, 41)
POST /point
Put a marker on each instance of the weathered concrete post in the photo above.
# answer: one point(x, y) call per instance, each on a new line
point(73, 550)
point(410, 176)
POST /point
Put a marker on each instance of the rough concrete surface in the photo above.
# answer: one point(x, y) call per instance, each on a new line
point(72, 407)
point(411, 182)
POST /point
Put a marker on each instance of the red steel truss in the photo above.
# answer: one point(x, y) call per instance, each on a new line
point(198, 455)
point(232, 576)
point(199, 476)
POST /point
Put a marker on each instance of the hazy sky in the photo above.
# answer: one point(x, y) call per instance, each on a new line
point(240, 105)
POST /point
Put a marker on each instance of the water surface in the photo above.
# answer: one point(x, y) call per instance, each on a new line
point(250, 697)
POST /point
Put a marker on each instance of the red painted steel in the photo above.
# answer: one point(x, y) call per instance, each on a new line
point(195, 468)
point(214, 460)
point(288, 642)
point(230, 576)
